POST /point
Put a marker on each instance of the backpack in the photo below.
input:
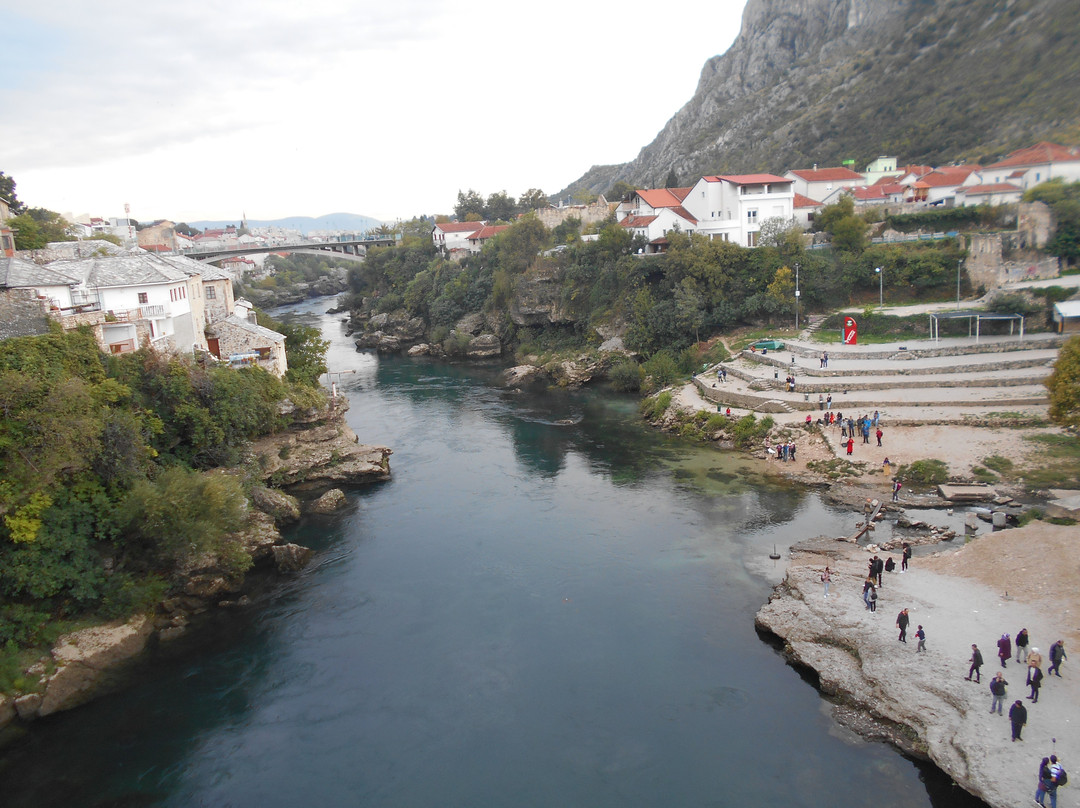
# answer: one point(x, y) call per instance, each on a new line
point(1062, 778)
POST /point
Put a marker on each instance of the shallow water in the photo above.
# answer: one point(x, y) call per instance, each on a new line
point(530, 612)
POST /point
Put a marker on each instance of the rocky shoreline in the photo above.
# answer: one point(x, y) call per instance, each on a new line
point(921, 703)
point(314, 459)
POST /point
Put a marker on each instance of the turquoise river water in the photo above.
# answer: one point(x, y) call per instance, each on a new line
point(548, 605)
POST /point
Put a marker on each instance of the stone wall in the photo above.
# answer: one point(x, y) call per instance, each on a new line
point(996, 259)
point(22, 314)
point(598, 211)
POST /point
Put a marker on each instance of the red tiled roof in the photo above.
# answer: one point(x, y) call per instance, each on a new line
point(748, 179)
point(876, 191)
point(806, 202)
point(943, 178)
point(918, 171)
point(684, 213)
point(990, 188)
point(827, 174)
point(638, 221)
point(1038, 154)
point(460, 227)
point(663, 197)
point(488, 231)
point(887, 179)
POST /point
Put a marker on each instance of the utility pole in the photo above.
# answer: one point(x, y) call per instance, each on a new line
point(796, 298)
point(881, 287)
point(959, 262)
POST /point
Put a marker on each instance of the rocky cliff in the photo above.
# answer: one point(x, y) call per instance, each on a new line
point(821, 81)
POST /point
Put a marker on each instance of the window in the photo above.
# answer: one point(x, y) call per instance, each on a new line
point(751, 216)
point(211, 293)
point(143, 299)
point(751, 239)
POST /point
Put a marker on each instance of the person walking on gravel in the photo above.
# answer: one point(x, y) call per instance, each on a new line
point(976, 663)
point(902, 621)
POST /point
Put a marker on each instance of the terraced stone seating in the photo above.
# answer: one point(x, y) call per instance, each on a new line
point(958, 378)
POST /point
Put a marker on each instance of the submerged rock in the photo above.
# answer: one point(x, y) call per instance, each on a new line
point(328, 502)
point(291, 557)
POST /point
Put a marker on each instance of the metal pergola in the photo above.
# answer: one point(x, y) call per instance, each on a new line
point(977, 316)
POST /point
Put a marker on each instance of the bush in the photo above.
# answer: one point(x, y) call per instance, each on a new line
point(748, 430)
point(661, 369)
point(653, 408)
point(925, 472)
point(626, 376)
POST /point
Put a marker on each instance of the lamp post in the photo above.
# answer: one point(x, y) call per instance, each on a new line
point(796, 298)
point(881, 287)
point(959, 262)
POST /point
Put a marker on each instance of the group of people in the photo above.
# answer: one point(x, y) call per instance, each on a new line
point(824, 359)
point(790, 382)
point(825, 403)
point(1032, 660)
point(782, 451)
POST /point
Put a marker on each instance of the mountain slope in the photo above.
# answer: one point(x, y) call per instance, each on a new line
point(821, 81)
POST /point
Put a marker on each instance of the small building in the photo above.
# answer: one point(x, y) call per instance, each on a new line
point(241, 341)
point(1067, 316)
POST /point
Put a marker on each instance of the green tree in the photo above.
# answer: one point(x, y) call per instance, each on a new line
point(1064, 385)
point(780, 293)
point(672, 180)
point(469, 204)
point(500, 207)
point(619, 191)
point(7, 192)
point(532, 199)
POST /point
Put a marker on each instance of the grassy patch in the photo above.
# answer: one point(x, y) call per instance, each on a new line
point(834, 468)
point(1002, 465)
point(924, 472)
point(1057, 462)
point(983, 475)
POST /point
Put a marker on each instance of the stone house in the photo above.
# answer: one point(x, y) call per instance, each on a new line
point(241, 341)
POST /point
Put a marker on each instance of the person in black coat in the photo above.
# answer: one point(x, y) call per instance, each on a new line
point(1021, 645)
point(976, 663)
point(1057, 656)
point(902, 621)
point(1034, 680)
point(1017, 717)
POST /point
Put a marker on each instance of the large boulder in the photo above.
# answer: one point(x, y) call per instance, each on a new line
point(291, 557)
point(329, 502)
point(85, 659)
point(524, 376)
point(484, 346)
point(281, 507)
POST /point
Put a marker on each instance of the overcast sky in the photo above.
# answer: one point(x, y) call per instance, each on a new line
point(202, 110)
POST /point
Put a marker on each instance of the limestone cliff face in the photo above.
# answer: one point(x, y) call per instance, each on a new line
point(820, 81)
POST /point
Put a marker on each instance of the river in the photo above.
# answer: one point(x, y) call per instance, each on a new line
point(548, 605)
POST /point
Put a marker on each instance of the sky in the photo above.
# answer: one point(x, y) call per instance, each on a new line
point(203, 110)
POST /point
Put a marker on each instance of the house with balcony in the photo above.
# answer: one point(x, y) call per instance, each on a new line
point(652, 213)
point(731, 207)
point(450, 236)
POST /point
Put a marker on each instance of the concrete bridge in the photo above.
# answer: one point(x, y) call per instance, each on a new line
point(350, 249)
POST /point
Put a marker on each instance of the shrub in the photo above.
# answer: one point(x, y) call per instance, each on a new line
point(925, 472)
point(661, 369)
point(626, 376)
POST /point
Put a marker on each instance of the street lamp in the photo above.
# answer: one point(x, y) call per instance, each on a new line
point(796, 297)
point(959, 262)
point(881, 287)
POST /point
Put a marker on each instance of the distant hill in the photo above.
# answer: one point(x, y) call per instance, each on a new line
point(822, 81)
point(305, 224)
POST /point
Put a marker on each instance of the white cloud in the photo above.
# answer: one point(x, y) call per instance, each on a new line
point(198, 111)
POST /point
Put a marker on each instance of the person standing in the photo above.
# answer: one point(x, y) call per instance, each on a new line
point(896, 486)
point(976, 663)
point(1044, 781)
point(1021, 645)
point(886, 467)
point(876, 416)
point(998, 689)
point(879, 570)
point(1057, 656)
point(850, 445)
point(868, 584)
point(828, 402)
point(821, 402)
point(902, 621)
point(907, 547)
point(920, 635)
point(1034, 680)
point(1056, 772)
point(825, 358)
point(1017, 717)
point(1004, 649)
point(826, 579)
point(866, 432)
point(873, 598)
point(878, 434)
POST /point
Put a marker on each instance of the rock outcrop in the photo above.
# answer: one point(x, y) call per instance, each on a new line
point(291, 557)
point(329, 502)
point(324, 455)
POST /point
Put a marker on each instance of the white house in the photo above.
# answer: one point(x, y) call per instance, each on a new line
point(654, 212)
point(1034, 165)
point(997, 193)
point(453, 235)
point(819, 183)
point(733, 206)
point(806, 210)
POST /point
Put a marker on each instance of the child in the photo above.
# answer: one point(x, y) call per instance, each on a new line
point(920, 635)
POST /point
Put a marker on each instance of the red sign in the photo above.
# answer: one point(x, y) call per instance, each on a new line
point(851, 331)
